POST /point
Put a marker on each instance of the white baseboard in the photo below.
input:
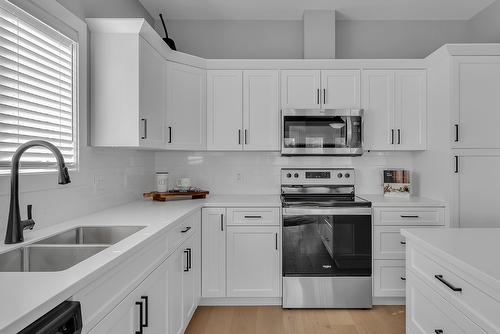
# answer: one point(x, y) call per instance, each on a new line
point(237, 301)
point(389, 300)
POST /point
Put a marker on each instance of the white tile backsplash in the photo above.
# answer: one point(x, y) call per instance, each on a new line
point(259, 172)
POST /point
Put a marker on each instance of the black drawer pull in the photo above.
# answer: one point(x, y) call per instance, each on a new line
point(140, 318)
point(403, 278)
point(186, 229)
point(438, 331)
point(146, 308)
point(448, 284)
point(253, 217)
point(409, 216)
point(402, 242)
point(186, 268)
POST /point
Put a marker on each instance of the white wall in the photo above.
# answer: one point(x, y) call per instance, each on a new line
point(485, 26)
point(259, 172)
point(284, 39)
point(106, 177)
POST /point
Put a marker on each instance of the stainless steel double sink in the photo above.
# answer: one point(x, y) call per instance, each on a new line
point(64, 250)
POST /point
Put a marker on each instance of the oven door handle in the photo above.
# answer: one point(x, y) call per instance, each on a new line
point(327, 211)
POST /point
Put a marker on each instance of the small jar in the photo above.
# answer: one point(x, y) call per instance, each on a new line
point(161, 182)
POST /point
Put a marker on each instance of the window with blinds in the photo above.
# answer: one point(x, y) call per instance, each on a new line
point(37, 89)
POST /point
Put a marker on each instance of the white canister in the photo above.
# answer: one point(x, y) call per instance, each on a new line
point(161, 182)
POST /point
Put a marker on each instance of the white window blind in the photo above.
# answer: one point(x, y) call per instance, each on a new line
point(37, 89)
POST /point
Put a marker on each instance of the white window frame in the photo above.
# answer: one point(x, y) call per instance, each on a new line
point(55, 16)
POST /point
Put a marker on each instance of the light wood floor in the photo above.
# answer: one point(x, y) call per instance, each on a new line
point(275, 320)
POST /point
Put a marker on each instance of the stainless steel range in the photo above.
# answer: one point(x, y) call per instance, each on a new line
point(327, 240)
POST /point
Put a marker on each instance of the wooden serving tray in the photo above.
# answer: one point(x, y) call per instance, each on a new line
point(162, 197)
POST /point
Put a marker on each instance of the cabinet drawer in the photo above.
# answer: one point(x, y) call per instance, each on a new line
point(408, 216)
point(183, 230)
point(253, 216)
point(473, 302)
point(427, 312)
point(389, 278)
point(388, 243)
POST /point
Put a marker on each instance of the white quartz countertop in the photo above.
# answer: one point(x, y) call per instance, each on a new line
point(25, 296)
point(381, 201)
point(476, 251)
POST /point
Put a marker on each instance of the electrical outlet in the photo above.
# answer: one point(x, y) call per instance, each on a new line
point(239, 177)
point(99, 183)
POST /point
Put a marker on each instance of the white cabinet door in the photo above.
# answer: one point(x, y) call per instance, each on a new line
point(378, 105)
point(213, 243)
point(340, 89)
point(389, 278)
point(189, 281)
point(224, 110)
point(175, 317)
point(300, 89)
point(475, 202)
point(261, 110)
point(253, 266)
point(151, 97)
point(475, 101)
point(186, 107)
point(411, 110)
point(149, 298)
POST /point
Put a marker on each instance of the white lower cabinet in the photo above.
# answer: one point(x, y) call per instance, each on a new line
point(389, 246)
point(241, 253)
point(166, 299)
point(143, 310)
point(253, 261)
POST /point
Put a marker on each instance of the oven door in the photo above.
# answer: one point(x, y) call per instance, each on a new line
point(322, 132)
point(327, 242)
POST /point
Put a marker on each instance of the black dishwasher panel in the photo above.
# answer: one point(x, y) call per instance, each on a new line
point(66, 318)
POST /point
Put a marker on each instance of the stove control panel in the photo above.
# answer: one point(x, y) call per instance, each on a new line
point(311, 176)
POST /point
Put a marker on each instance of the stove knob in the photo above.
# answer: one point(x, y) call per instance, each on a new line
point(347, 175)
point(296, 175)
point(339, 175)
point(288, 175)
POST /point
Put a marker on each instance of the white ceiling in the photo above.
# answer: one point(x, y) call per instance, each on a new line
point(293, 9)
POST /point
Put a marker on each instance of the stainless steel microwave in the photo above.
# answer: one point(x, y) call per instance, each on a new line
point(322, 132)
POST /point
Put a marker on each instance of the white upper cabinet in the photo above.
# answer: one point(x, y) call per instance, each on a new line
point(127, 91)
point(300, 89)
point(242, 110)
point(395, 109)
point(340, 89)
point(186, 107)
point(224, 110)
point(411, 109)
point(260, 110)
point(327, 89)
point(475, 101)
point(378, 105)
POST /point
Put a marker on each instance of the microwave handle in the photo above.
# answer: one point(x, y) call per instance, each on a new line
point(349, 132)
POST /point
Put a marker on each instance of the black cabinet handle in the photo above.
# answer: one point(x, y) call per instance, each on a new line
point(392, 136)
point(456, 132)
point(253, 217)
point(140, 318)
point(317, 96)
point(186, 229)
point(146, 308)
point(324, 96)
point(222, 222)
point(246, 137)
point(399, 136)
point(409, 216)
point(189, 258)
point(276, 241)
point(169, 134)
point(186, 268)
point(402, 242)
point(145, 123)
point(403, 278)
point(438, 331)
point(448, 284)
point(456, 163)
point(239, 136)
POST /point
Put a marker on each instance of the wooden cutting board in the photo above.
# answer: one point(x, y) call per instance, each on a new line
point(162, 197)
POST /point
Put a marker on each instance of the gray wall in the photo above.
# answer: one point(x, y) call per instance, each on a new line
point(284, 39)
point(485, 26)
point(106, 8)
